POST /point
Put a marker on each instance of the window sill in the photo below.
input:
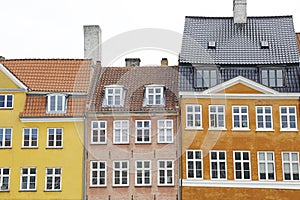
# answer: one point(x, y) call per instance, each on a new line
point(265, 130)
point(6, 108)
point(5, 147)
point(102, 143)
point(142, 185)
point(27, 190)
point(165, 142)
point(165, 185)
point(52, 190)
point(121, 143)
point(142, 142)
point(217, 129)
point(29, 147)
point(193, 129)
point(289, 130)
point(241, 129)
point(4, 191)
point(54, 147)
point(98, 186)
point(121, 185)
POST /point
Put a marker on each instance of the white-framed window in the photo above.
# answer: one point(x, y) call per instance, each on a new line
point(6, 101)
point(98, 173)
point(143, 173)
point(121, 132)
point(28, 178)
point(121, 173)
point(272, 77)
point(240, 118)
point(56, 103)
point(264, 118)
point(165, 131)
point(206, 77)
point(4, 179)
point(154, 95)
point(218, 169)
point(194, 164)
point(242, 165)
point(99, 132)
point(5, 137)
point(53, 179)
point(266, 166)
point(288, 118)
point(30, 137)
point(143, 131)
point(165, 172)
point(55, 138)
point(290, 166)
point(194, 116)
point(216, 116)
point(114, 96)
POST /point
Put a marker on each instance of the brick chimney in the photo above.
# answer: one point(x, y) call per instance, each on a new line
point(164, 62)
point(132, 62)
point(240, 11)
point(2, 58)
point(92, 42)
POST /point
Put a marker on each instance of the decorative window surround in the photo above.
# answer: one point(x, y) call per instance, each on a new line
point(114, 96)
point(290, 166)
point(53, 179)
point(97, 173)
point(121, 132)
point(143, 131)
point(121, 173)
point(240, 118)
point(28, 179)
point(55, 138)
point(193, 117)
point(242, 165)
point(154, 95)
point(6, 101)
point(288, 118)
point(264, 121)
point(30, 138)
point(98, 132)
point(266, 166)
point(217, 117)
point(218, 168)
point(143, 173)
point(194, 164)
point(165, 131)
point(165, 175)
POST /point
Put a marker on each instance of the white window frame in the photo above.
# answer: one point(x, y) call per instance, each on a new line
point(53, 175)
point(28, 175)
point(113, 95)
point(291, 163)
point(123, 171)
point(3, 138)
point(155, 95)
point(266, 162)
point(56, 105)
point(165, 169)
point(267, 79)
point(144, 171)
point(193, 115)
point(218, 161)
point(122, 130)
point(6, 176)
point(30, 141)
point(99, 130)
point(55, 138)
point(288, 115)
point(217, 114)
point(99, 173)
point(240, 115)
point(242, 161)
point(194, 162)
point(205, 77)
point(264, 115)
point(5, 106)
point(165, 132)
point(142, 129)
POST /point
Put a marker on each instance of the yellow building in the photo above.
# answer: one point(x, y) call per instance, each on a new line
point(42, 106)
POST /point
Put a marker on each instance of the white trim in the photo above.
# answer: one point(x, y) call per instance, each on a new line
point(121, 129)
point(165, 169)
point(242, 161)
point(165, 128)
point(12, 77)
point(99, 129)
point(28, 175)
point(242, 184)
point(30, 139)
point(130, 114)
point(64, 93)
point(52, 119)
point(239, 96)
point(98, 170)
point(266, 162)
point(53, 175)
point(240, 80)
point(56, 105)
point(217, 114)
point(263, 115)
point(2, 176)
point(121, 170)
point(288, 115)
point(218, 161)
point(193, 113)
point(290, 162)
point(4, 136)
point(240, 114)
point(194, 160)
point(5, 102)
point(143, 169)
point(143, 132)
point(55, 140)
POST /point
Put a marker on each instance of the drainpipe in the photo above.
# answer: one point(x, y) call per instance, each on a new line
point(179, 150)
point(84, 159)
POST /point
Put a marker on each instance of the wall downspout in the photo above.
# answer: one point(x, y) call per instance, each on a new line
point(84, 158)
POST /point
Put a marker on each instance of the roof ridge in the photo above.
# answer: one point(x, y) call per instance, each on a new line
point(220, 17)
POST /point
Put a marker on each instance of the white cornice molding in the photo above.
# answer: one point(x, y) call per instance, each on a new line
point(12, 77)
point(52, 119)
point(292, 185)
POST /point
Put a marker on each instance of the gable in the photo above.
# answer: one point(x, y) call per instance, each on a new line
point(8, 80)
point(239, 88)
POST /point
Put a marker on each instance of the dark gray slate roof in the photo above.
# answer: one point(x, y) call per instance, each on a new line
point(239, 44)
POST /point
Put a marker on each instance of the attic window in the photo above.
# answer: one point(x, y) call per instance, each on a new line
point(114, 96)
point(264, 44)
point(154, 95)
point(212, 44)
point(56, 103)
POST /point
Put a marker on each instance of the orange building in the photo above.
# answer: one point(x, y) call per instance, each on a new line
point(239, 89)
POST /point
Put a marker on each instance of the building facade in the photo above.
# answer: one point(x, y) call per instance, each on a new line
point(132, 134)
point(239, 88)
point(42, 106)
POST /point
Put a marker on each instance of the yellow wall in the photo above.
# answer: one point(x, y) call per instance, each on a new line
point(69, 158)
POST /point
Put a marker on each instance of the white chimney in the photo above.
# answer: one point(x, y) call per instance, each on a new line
point(92, 42)
point(240, 11)
point(132, 62)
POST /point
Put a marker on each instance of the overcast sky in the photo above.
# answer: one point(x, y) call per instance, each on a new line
point(54, 29)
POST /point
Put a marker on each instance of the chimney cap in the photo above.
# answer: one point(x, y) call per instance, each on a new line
point(132, 62)
point(2, 58)
point(164, 62)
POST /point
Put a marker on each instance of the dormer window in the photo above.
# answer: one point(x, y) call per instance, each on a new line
point(56, 103)
point(154, 95)
point(114, 96)
point(206, 77)
point(272, 77)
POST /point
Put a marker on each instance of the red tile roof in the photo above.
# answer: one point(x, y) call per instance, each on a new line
point(298, 40)
point(134, 79)
point(52, 75)
point(35, 106)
